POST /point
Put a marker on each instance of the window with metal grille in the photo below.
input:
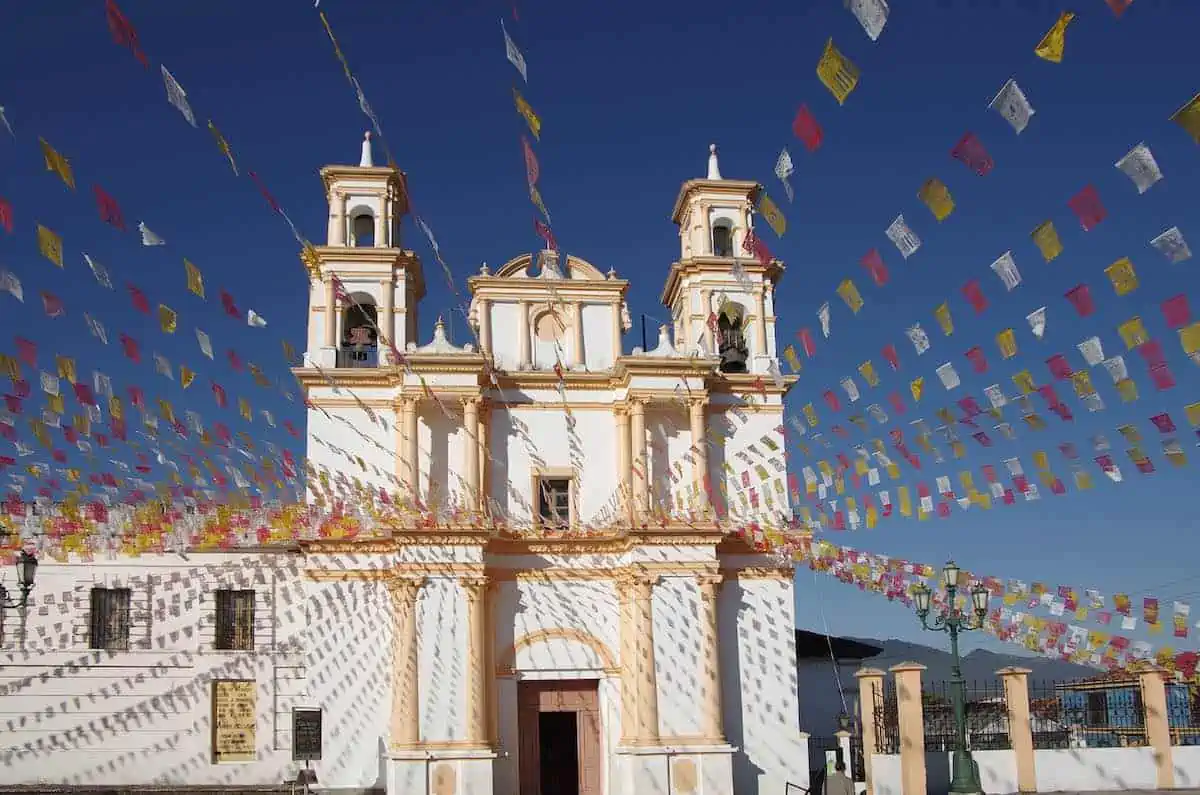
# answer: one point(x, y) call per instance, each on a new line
point(235, 620)
point(110, 619)
point(554, 501)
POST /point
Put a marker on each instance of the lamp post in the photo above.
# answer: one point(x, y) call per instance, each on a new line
point(26, 571)
point(953, 621)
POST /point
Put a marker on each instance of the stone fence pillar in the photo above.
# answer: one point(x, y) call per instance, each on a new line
point(870, 686)
point(912, 727)
point(1158, 729)
point(1020, 727)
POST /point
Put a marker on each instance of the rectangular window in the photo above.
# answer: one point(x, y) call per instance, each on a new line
point(235, 620)
point(110, 619)
point(554, 501)
point(1097, 708)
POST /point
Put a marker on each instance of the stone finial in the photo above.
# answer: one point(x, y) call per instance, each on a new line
point(714, 168)
point(612, 274)
point(483, 270)
point(367, 160)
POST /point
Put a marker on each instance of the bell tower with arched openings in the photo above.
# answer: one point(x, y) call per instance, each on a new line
point(365, 287)
point(720, 295)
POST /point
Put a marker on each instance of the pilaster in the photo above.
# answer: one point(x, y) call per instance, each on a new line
point(870, 689)
point(406, 718)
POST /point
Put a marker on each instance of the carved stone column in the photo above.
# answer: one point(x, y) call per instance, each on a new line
point(577, 355)
point(483, 311)
point(330, 313)
point(406, 714)
point(412, 464)
point(471, 450)
point(478, 677)
point(481, 443)
point(387, 318)
point(380, 223)
point(616, 330)
point(707, 335)
point(641, 475)
point(647, 679)
point(699, 450)
point(624, 460)
point(337, 219)
point(523, 331)
point(629, 675)
point(760, 309)
point(710, 661)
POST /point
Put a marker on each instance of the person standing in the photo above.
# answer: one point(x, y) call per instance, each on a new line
point(837, 782)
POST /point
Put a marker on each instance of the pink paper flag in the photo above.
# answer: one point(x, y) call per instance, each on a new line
point(970, 151)
point(1177, 312)
point(1086, 205)
point(1081, 298)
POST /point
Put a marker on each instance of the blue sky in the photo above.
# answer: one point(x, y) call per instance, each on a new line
point(630, 96)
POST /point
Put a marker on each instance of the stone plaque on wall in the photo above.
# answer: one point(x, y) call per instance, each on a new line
point(306, 734)
point(234, 717)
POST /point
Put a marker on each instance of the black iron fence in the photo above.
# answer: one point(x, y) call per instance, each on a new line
point(986, 714)
point(887, 719)
point(1087, 713)
point(1183, 712)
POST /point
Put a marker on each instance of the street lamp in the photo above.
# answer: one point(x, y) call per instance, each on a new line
point(953, 621)
point(26, 571)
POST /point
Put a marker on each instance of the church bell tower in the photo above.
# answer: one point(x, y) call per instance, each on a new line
point(365, 288)
point(720, 295)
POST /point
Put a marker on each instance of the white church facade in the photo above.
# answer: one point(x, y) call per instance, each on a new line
point(557, 607)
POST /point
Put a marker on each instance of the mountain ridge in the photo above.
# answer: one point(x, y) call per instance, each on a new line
point(979, 666)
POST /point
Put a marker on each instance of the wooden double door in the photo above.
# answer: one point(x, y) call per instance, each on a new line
point(558, 725)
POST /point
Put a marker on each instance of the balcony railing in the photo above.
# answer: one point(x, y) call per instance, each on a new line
point(358, 356)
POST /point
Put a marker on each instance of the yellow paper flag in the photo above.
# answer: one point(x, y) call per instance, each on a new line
point(166, 319)
point(195, 280)
point(867, 369)
point(1188, 117)
point(849, 294)
point(1133, 333)
point(905, 501)
point(1082, 380)
point(50, 245)
point(1007, 341)
point(936, 197)
point(66, 368)
point(771, 213)
point(1121, 274)
point(244, 409)
point(918, 388)
point(810, 415)
point(942, 313)
point(1192, 410)
point(57, 163)
point(223, 145)
point(1189, 338)
point(789, 353)
point(1024, 381)
point(837, 73)
point(1045, 236)
point(535, 124)
point(1127, 389)
point(186, 376)
point(1051, 47)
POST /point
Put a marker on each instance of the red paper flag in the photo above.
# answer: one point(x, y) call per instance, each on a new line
point(1081, 298)
point(806, 128)
point(83, 393)
point(545, 233)
point(873, 262)
point(978, 359)
point(1162, 376)
point(231, 308)
point(531, 163)
point(832, 400)
point(890, 355)
point(234, 361)
point(1151, 351)
point(1163, 422)
point(970, 151)
point(110, 211)
point(974, 295)
point(753, 244)
point(1118, 6)
point(27, 351)
point(123, 32)
point(131, 348)
point(139, 299)
point(53, 305)
point(1177, 312)
point(137, 397)
point(219, 394)
point(1086, 205)
point(6, 215)
point(266, 194)
point(1059, 367)
point(806, 342)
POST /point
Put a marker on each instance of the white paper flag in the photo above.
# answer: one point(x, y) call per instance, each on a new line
point(102, 383)
point(4, 121)
point(162, 366)
point(876, 412)
point(1037, 322)
point(99, 271)
point(995, 396)
point(1172, 245)
point(514, 55)
point(1006, 269)
point(10, 284)
point(205, 344)
point(918, 337)
point(905, 239)
point(148, 237)
point(942, 484)
point(1116, 368)
point(776, 375)
point(1094, 402)
point(1092, 350)
point(1011, 103)
point(823, 316)
point(96, 327)
point(1139, 165)
point(871, 14)
point(254, 320)
point(49, 383)
point(949, 377)
point(851, 388)
point(177, 96)
point(783, 170)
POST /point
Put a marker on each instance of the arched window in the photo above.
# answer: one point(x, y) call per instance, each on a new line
point(360, 338)
point(731, 339)
point(722, 238)
point(547, 340)
point(362, 230)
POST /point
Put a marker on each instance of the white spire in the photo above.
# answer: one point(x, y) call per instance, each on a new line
point(368, 161)
point(714, 169)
